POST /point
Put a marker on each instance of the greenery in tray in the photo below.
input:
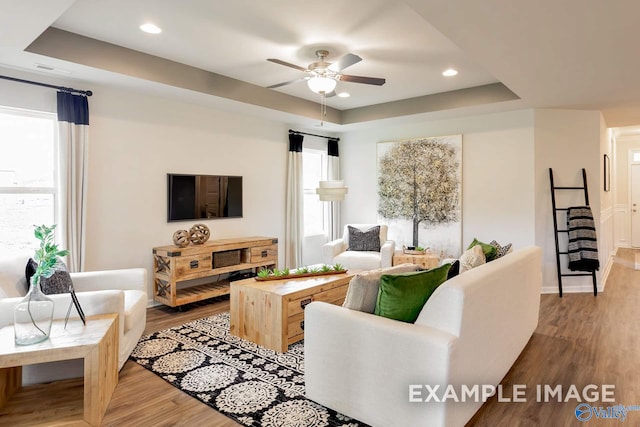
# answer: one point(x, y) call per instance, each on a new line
point(264, 272)
point(419, 249)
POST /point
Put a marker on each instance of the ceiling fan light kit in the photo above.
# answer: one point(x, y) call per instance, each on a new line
point(321, 84)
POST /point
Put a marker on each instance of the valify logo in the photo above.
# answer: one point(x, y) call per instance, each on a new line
point(584, 412)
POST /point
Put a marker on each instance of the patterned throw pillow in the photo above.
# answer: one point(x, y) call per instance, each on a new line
point(472, 258)
point(501, 250)
point(364, 240)
point(59, 283)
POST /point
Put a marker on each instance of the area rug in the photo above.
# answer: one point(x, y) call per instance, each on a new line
point(253, 385)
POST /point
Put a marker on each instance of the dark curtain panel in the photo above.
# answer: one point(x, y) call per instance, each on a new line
point(73, 108)
point(295, 142)
point(332, 147)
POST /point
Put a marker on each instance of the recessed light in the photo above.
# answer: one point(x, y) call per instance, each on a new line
point(344, 94)
point(449, 72)
point(150, 28)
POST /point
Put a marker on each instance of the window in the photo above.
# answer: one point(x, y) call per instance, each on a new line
point(28, 190)
point(315, 212)
point(636, 157)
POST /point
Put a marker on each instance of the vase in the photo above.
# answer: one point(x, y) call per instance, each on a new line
point(33, 316)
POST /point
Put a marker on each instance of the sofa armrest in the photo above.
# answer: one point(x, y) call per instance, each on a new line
point(125, 279)
point(386, 253)
point(363, 365)
point(92, 303)
point(331, 250)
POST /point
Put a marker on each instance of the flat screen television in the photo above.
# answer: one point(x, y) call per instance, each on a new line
point(192, 197)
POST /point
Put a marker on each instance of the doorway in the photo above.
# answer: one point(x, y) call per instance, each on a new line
point(635, 204)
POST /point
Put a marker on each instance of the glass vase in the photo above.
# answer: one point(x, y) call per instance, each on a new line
point(33, 316)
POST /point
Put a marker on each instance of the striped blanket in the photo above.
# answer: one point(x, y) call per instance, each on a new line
point(583, 246)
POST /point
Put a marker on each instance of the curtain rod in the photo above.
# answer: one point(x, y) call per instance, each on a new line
point(312, 134)
point(62, 88)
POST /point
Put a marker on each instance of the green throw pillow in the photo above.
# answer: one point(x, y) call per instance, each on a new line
point(402, 296)
point(490, 251)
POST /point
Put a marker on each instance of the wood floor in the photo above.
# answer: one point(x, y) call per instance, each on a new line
point(581, 340)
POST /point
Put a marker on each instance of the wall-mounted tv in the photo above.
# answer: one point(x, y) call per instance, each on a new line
point(192, 197)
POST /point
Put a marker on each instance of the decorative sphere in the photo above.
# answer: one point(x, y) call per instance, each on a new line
point(199, 234)
point(181, 238)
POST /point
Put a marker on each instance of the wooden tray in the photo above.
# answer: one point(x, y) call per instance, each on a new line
point(296, 276)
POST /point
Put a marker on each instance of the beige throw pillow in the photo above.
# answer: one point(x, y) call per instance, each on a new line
point(363, 287)
point(472, 257)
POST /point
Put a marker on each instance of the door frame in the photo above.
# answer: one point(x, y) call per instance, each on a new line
point(630, 164)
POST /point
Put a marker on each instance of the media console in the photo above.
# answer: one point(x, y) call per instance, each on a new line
point(174, 267)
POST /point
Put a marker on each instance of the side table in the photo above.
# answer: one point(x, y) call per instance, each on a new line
point(426, 260)
point(96, 343)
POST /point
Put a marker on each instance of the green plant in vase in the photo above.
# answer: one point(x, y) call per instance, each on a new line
point(34, 314)
point(302, 270)
point(338, 267)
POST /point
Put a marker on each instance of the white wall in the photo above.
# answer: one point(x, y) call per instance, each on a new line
point(566, 141)
point(497, 173)
point(137, 139)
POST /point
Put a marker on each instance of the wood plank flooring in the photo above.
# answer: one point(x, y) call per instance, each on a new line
point(581, 340)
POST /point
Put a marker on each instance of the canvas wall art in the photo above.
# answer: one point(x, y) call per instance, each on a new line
point(420, 192)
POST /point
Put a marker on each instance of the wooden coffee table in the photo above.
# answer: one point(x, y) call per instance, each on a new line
point(96, 343)
point(271, 313)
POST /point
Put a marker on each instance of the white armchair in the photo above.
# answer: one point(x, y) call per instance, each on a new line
point(335, 252)
point(99, 292)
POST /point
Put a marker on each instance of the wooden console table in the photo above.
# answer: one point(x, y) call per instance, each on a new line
point(174, 267)
point(96, 343)
point(426, 260)
point(271, 313)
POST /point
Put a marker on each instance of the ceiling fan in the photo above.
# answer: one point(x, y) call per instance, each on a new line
point(323, 76)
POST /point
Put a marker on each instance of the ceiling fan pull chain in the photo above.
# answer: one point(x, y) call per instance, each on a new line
point(323, 109)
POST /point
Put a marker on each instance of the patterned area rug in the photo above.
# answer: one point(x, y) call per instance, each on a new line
point(253, 385)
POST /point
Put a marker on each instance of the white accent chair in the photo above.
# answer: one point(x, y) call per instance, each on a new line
point(99, 292)
point(335, 252)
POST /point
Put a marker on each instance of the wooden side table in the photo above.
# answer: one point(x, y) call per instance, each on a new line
point(96, 343)
point(426, 260)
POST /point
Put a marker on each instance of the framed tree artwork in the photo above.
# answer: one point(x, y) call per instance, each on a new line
point(420, 192)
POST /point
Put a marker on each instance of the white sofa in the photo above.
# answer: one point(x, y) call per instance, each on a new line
point(335, 252)
point(470, 332)
point(99, 292)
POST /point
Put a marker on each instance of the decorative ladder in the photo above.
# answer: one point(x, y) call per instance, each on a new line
point(556, 231)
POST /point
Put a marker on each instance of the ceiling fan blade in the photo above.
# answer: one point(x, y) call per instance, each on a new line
point(286, 64)
point(286, 83)
point(346, 61)
point(360, 79)
point(330, 94)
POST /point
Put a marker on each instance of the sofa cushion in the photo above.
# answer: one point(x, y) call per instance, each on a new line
point(362, 292)
point(472, 258)
point(501, 250)
point(368, 240)
point(489, 250)
point(359, 260)
point(402, 296)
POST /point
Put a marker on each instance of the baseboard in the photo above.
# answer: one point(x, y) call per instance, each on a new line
point(588, 288)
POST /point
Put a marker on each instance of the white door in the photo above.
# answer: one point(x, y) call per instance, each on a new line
point(635, 206)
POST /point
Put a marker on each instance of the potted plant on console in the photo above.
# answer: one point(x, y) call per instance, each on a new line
point(34, 314)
